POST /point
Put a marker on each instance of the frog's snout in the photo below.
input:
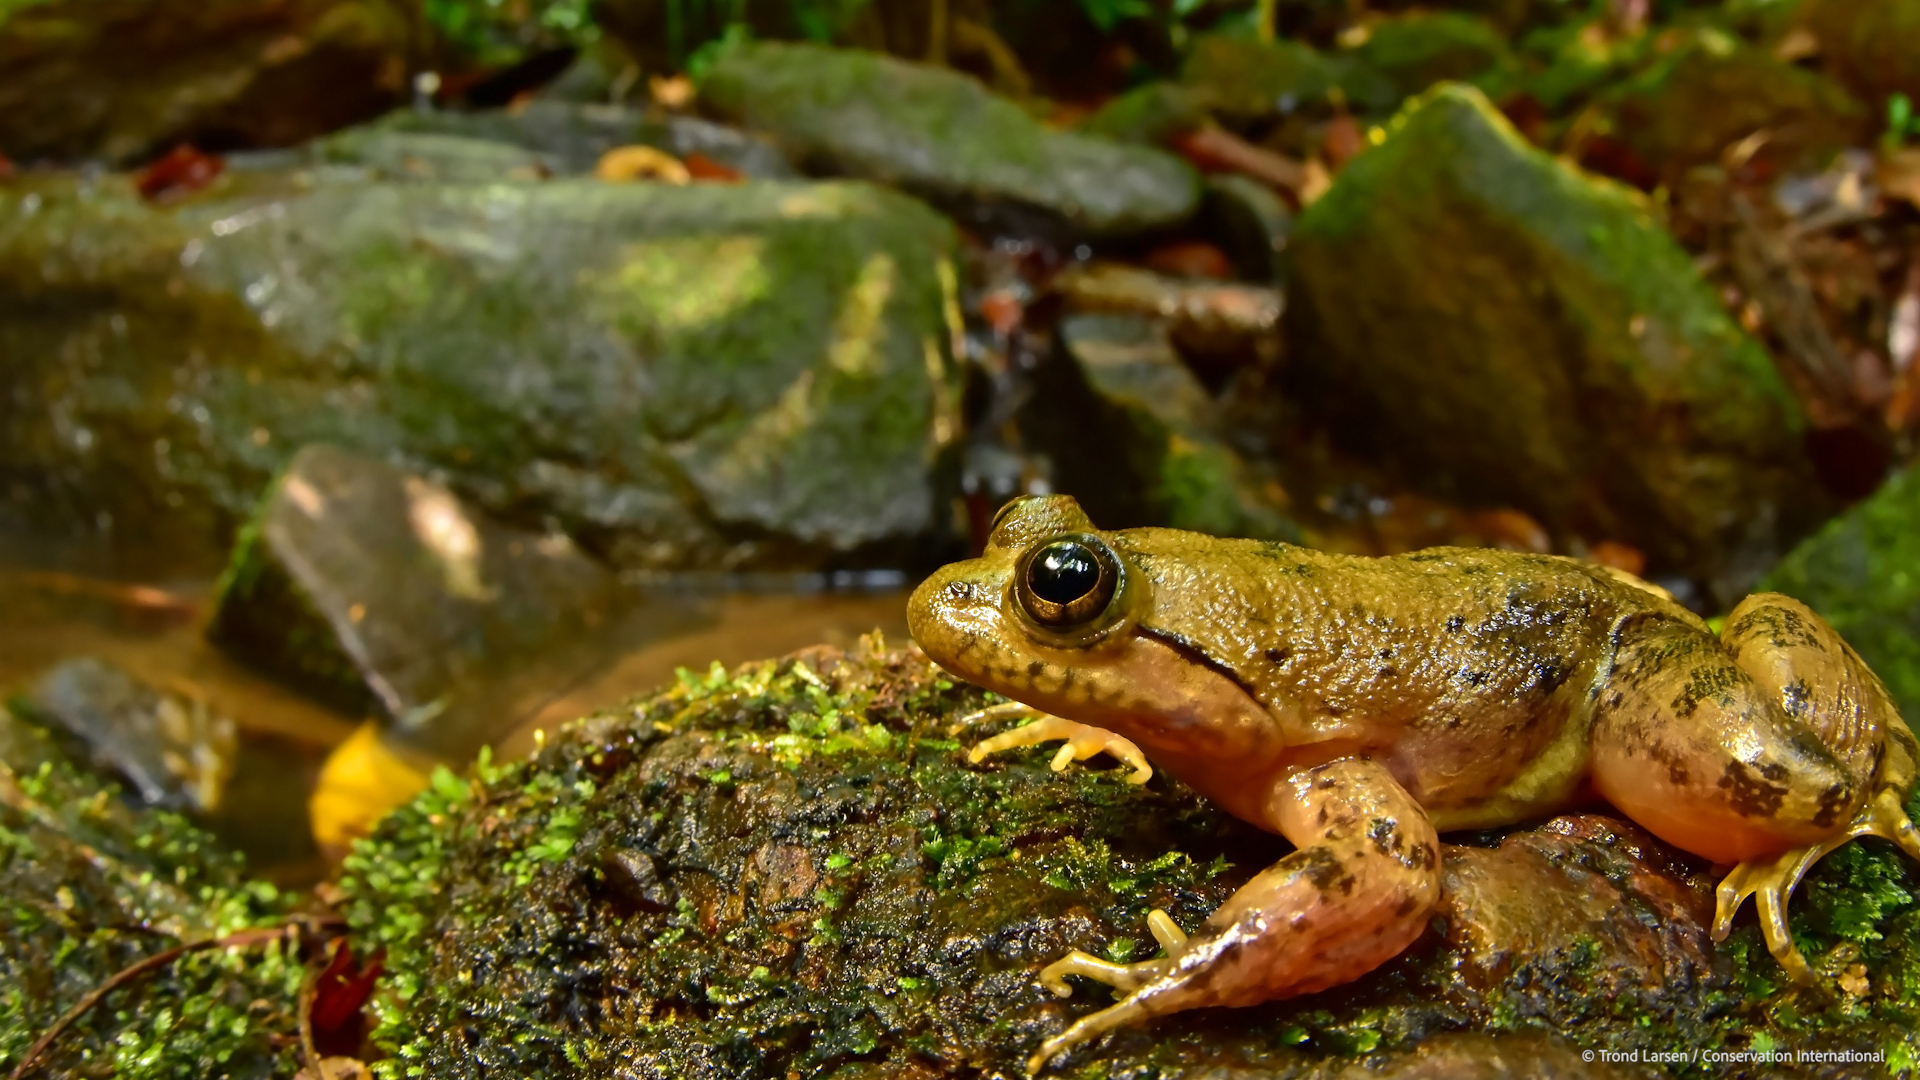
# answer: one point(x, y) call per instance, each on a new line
point(955, 610)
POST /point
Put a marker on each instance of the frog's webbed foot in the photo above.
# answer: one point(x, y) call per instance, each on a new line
point(1082, 741)
point(1122, 977)
point(1771, 881)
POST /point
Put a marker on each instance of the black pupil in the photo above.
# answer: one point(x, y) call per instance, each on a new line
point(1064, 572)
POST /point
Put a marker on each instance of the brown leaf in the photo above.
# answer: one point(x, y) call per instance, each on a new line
point(1213, 149)
point(701, 167)
point(1194, 259)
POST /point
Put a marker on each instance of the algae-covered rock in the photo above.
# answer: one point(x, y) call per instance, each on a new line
point(93, 886)
point(1862, 574)
point(384, 593)
point(1144, 447)
point(1507, 331)
point(1868, 44)
point(1418, 50)
point(1712, 91)
point(568, 139)
point(120, 79)
point(941, 134)
point(719, 374)
point(1150, 114)
point(1247, 79)
point(791, 870)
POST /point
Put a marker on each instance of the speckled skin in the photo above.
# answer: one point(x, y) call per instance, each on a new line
point(1358, 706)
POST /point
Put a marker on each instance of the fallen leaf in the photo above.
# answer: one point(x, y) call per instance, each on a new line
point(1002, 311)
point(6, 168)
point(1213, 149)
point(342, 987)
point(674, 92)
point(1343, 141)
point(1508, 528)
point(181, 171)
point(1194, 259)
point(361, 780)
point(701, 167)
point(641, 163)
point(1619, 556)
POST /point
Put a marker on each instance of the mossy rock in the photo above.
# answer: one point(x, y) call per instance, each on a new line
point(791, 869)
point(1246, 79)
point(1862, 574)
point(1416, 51)
point(1712, 90)
point(1502, 329)
point(733, 375)
point(91, 886)
point(118, 80)
point(939, 133)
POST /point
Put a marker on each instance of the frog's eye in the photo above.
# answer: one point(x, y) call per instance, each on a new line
point(1068, 581)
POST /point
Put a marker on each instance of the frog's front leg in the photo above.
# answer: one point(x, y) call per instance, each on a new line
point(1082, 740)
point(1357, 892)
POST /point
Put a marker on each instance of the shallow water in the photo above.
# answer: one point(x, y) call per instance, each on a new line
point(154, 633)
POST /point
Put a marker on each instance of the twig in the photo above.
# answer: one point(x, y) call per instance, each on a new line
point(310, 989)
point(241, 939)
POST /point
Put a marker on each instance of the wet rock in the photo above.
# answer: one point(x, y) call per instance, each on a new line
point(1251, 222)
point(1144, 446)
point(1508, 332)
point(569, 139)
point(722, 375)
point(1415, 51)
point(1245, 80)
point(124, 79)
point(1209, 320)
point(943, 135)
point(429, 157)
point(380, 591)
point(94, 885)
point(1150, 114)
point(1711, 91)
point(1862, 574)
point(174, 751)
point(795, 863)
point(1868, 44)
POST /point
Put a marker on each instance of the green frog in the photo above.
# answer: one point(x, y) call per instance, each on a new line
point(1360, 707)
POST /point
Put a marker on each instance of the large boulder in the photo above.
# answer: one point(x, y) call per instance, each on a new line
point(121, 79)
point(1862, 574)
point(1506, 331)
point(939, 133)
point(793, 868)
point(714, 375)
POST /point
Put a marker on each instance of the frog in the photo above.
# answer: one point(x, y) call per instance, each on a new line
point(1361, 706)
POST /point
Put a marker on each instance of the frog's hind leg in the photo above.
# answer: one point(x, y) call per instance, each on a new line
point(1767, 749)
point(1357, 892)
point(1082, 740)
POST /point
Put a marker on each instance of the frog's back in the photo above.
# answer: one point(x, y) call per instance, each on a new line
point(1469, 664)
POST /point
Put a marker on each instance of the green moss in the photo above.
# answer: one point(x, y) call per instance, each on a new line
point(91, 886)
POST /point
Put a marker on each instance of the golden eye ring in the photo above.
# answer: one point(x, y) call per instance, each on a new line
point(1067, 581)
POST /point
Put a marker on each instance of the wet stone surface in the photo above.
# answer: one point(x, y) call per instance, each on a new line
point(791, 870)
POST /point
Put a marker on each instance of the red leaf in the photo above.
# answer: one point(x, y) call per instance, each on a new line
point(182, 171)
point(342, 988)
point(701, 167)
point(1193, 259)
